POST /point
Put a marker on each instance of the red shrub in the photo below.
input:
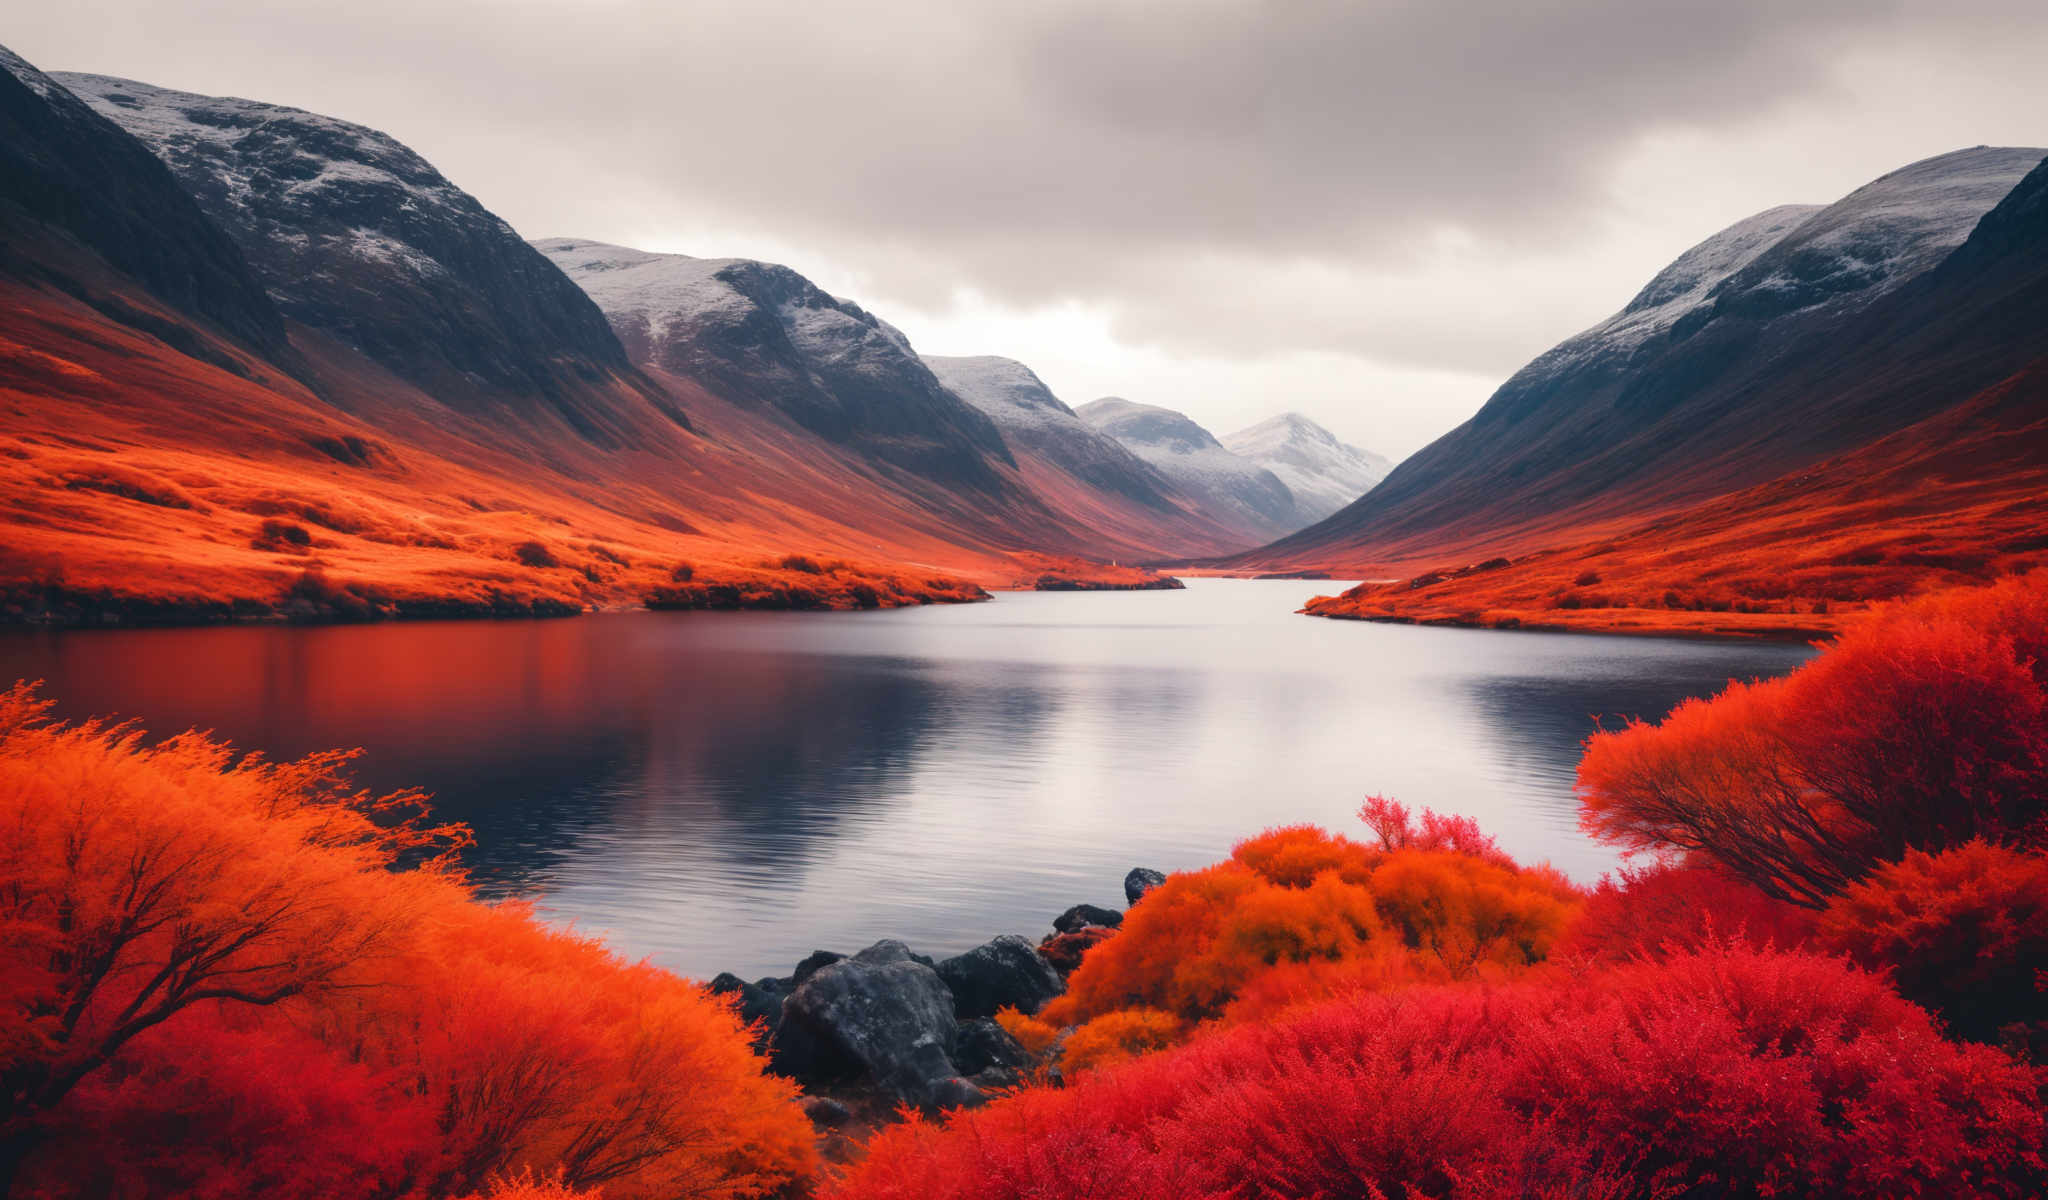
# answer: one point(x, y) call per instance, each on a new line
point(1729, 1071)
point(1922, 728)
point(1665, 908)
point(1963, 932)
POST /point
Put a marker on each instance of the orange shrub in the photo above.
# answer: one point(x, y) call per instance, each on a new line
point(1118, 1036)
point(217, 980)
point(1298, 913)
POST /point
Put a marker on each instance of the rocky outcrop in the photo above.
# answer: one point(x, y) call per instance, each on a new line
point(880, 1014)
point(1082, 916)
point(1139, 881)
point(1006, 972)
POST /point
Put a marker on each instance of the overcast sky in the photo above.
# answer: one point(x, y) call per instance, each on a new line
point(1370, 213)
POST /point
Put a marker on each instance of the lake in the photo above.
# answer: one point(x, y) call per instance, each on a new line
point(728, 791)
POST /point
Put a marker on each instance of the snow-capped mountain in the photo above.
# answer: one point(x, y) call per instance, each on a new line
point(1322, 472)
point(756, 332)
point(358, 238)
point(1722, 371)
point(1224, 484)
point(1036, 421)
point(73, 176)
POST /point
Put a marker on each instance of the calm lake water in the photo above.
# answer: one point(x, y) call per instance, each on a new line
point(728, 791)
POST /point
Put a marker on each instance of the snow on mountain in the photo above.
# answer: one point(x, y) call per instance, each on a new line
point(1717, 374)
point(358, 237)
point(1323, 473)
point(757, 332)
point(1035, 421)
point(1226, 485)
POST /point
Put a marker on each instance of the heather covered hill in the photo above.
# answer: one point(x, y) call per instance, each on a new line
point(1730, 368)
point(1226, 486)
point(319, 381)
point(1324, 472)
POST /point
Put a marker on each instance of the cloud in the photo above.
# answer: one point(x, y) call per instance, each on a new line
point(1425, 189)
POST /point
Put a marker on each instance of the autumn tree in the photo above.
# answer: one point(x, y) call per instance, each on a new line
point(1924, 728)
point(137, 882)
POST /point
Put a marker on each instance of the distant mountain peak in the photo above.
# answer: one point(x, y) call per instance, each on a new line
point(1324, 472)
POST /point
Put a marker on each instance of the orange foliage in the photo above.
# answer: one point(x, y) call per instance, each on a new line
point(1959, 499)
point(1298, 913)
point(1923, 727)
point(1963, 932)
point(219, 967)
point(1727, 1071)
point(1117, 1036)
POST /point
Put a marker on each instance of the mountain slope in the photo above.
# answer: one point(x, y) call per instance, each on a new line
point(1683, 394)
point(761, 333)
point(359, 239)
point(178, 449)
point(1226, 487)
point(78, 188)
point(1902, 444)
point(1105, 485)
point(1323, 473)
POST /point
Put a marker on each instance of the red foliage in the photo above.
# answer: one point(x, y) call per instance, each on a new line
point(1923, 728)
point(216, 981)
point(1729, 1071)
point(1963, 932)
point(1664, 908)
point(1064, 950)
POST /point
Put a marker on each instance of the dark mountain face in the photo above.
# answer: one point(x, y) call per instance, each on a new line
point(1035, 421)
point(357, 237)
point(69, 175)
point(761, 334)
point(1760, 349)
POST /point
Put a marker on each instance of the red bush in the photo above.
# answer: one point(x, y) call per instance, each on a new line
point(1656, 910)
point(1729, 1071)
point(1922, 728)
point(1963, 932)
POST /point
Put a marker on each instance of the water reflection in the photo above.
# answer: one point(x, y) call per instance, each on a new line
point(731, 790)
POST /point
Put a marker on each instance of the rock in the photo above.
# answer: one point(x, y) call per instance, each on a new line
point(1064, 950)
point(891, 950)
point(825, 1112)
point(1004, 972)
point(880, 1014)
point(981, 1045)
point(1140, 881)
point(756, 1003)
point(957, 1093)
point(810, 965)
point(1081, 916)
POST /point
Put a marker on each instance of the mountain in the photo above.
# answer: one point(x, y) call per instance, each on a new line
point(1683, 394)
point(79, 188)
point(1847, 411)
point(360, 240)
point(1227, 487)
point(260, 363)
point(1323, 473)
point(1109, 487)
point(759, 333)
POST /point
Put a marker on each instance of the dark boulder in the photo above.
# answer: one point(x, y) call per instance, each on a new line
point(880, 1014)
point(825, 1112)
point(757, 1005)
point(981, 1045)
point(1005, 972)
point(957, 1093)
point(811, 963)
point(1081, 916)
point(1140, 881)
